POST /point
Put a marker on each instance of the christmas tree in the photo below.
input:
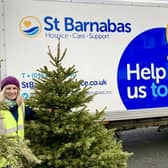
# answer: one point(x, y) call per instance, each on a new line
point(17, 153)
point(65, 134)
point(14, 151)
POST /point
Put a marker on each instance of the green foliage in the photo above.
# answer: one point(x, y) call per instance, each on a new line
point(17, 153)
point(65, 134)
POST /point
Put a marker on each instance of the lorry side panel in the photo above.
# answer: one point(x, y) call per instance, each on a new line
point(120, 50)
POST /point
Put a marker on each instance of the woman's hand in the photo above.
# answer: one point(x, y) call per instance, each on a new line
point(19, 100)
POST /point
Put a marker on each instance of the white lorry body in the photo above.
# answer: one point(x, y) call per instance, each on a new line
point(119, 49)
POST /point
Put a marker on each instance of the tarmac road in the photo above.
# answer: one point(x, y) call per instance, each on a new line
point(149, 146)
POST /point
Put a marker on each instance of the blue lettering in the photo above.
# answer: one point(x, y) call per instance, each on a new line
point(69, 24)
point(121, 27)
point(111, 26)
point(128, 27)
point(79, 26)
point(103, 27)
point(94, 25)
point(52, 23)
point(47, 20)
point(94, 83)
point(27, 84)
point(159, 91)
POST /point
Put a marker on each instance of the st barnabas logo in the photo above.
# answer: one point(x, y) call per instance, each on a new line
point(30, 26)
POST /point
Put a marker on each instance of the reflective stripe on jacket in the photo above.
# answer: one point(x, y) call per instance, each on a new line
point(9, 126)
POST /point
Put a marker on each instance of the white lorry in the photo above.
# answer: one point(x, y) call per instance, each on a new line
point(119, 48)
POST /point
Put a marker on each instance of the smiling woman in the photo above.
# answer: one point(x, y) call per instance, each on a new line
point(13, 112)
point(11, 88)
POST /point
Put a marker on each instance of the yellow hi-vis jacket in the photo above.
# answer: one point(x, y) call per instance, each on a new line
point(9, 126)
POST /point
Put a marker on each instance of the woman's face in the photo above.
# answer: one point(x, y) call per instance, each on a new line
point(11, 92)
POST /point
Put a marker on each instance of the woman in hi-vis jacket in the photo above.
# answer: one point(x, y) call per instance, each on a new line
point(12, 118)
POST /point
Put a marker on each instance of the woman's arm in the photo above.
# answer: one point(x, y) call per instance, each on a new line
point(29, 113)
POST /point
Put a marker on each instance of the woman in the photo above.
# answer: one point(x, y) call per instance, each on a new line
point(13, 112)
